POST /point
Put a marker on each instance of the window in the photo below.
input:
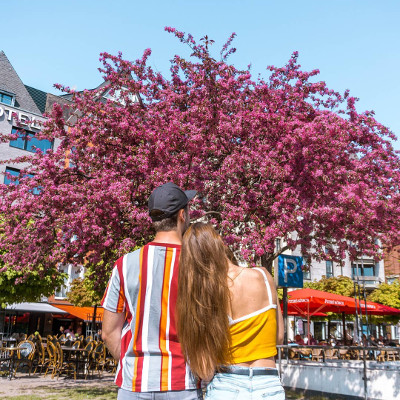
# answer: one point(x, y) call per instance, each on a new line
point(13, 172)
point(329, 268)
point(328, 265)
point(73, 273)
point(306, 268)
point(363, 268)
point(26, 141)
point(6, 98)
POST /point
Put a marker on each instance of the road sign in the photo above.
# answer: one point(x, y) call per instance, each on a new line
point(290, 273)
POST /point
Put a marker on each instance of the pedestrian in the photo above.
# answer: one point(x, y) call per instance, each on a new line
point(229, 320)
point(139, 307)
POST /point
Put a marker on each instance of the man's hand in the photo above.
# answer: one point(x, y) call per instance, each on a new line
point(111, 332)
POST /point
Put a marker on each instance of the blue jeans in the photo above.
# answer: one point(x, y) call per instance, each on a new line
point(195, 394)
point(241, 387)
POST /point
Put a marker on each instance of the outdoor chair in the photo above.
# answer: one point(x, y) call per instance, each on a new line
point(316, 355)
point(294, 354)
point(51, 362)
point(97, 360)
point(40, 360)
point(344, 354)
point(85, 357)
point(31, 337)
point(62, 365)
point(392, 355)
point(88, 339)
point(76, 344)
point(111, 363)
point(26, 355)
point(331, 354)
point(354, 354)
point(5, 359)
point(382, 356)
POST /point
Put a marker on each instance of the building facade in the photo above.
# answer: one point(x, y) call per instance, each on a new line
point(364, 271)
point(22, 110)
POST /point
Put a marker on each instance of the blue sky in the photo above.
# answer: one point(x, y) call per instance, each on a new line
point(354, 43)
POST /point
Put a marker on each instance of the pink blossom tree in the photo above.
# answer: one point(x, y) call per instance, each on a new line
point(275, 157)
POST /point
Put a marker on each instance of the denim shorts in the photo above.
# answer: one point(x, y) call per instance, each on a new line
point(193, 394)
point(225, 386)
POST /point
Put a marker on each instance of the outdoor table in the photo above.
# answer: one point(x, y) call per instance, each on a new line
point(68, 350)
point(14, 351)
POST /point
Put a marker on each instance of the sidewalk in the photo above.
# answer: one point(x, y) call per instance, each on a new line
point(39, 385)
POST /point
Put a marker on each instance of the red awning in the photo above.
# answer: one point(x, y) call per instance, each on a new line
point(85, 313)
point(311, 301)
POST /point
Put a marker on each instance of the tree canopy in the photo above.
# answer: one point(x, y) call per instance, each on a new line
point(387, 294)
point(342, 285)
point(17, 286)
point(275, 156)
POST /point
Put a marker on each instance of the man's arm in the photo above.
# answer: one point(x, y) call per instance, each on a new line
point(111, 332)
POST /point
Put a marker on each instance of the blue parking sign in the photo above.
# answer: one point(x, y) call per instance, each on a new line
point(290, 273)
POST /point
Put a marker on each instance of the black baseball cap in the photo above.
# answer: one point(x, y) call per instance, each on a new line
point(168, 199)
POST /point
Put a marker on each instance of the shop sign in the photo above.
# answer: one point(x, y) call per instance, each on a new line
point(23, 118)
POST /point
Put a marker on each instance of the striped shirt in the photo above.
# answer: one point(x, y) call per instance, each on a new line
point(144, 286)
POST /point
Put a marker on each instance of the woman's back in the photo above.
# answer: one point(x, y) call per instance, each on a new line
point(253, 317)
point(248, 291)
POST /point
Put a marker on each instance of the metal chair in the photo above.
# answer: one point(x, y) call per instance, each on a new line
point(97, 360)
point(62, 365)
point(52, 359)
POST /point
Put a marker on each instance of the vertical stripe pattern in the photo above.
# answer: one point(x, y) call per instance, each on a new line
point(144, 286)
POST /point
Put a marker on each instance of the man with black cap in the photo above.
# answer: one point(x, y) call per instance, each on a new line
point(139, 307)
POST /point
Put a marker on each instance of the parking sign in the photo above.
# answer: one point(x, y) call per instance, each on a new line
point(290, 273)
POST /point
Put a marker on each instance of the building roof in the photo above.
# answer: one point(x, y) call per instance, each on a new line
point(39, 97)
point(11, 82)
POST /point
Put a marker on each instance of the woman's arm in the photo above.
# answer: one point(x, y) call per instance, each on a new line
point(279, 323)
point(279, 318)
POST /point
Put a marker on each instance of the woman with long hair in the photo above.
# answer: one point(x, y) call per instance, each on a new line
point(229, 320)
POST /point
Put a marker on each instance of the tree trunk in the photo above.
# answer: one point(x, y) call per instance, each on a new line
point(267, 262)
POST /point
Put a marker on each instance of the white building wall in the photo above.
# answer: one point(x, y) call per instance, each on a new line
point(6, 124)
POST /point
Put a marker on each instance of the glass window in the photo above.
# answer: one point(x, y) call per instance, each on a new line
point(328, 265)
point(11, 172)
point(306, 268)
point(73, 273)
point(367, 268)
point(6, 98)
point(329, 268)
point(20, 141)
point(26, 141)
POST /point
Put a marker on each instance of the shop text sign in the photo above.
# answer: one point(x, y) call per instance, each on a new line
point(22, 117)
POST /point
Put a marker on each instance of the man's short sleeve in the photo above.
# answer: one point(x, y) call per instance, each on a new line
point(114, 295)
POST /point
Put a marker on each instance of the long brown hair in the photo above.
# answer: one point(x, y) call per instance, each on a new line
point(203, 300)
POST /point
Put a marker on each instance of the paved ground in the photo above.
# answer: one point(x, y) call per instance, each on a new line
point(23, 385)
